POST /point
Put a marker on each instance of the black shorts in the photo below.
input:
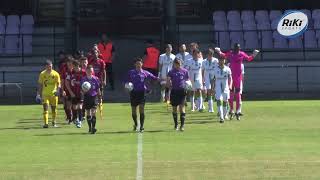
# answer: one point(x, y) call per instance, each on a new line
point(76, 100)
point(137, 98)
point(90, 102)
point(178, 97)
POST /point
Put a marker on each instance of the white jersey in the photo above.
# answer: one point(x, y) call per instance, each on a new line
point(208, 67)
point(222, 79)
point(184, 57)
point(195, 73)
point(166, 62)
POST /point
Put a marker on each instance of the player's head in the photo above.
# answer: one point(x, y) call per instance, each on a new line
point(78, 54)
point(222, 61)
point(168, 48)
point(76, 66)
point(62, 55)
point(210, 53)
point(193, 46)
point(182, 48)
point(96, 54)
point(138, 63)
point(196, 54)
point(48, 65)
point(104, 37)
point(177, 63)
point(95, 47)
point(89, 70)
point(84, 61)
point(236, 47)
point(70, 63)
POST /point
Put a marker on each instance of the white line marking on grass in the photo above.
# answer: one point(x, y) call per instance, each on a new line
point(139, 157)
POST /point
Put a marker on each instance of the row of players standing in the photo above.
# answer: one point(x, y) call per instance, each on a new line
point(210, 76)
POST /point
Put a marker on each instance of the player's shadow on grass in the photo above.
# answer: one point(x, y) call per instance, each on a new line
point(21, 128)
point(101, 132)
point(195, 121)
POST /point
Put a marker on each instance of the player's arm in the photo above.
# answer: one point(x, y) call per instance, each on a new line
point(160, 65)
point(168, 81)
point(230, 81)
point(213, 84)
point(104, 75)
point(151, 76)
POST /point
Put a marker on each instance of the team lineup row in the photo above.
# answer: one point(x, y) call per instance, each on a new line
point(179, 76)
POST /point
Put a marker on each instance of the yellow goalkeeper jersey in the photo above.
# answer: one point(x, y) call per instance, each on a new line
point(50, 82)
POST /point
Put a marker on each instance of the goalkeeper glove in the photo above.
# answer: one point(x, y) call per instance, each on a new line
point(255, 53)
point(57, 93)
point(38, 99)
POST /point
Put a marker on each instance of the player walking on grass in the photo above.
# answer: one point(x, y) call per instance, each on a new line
point(177, 78)
point(236, 58)
point(138, 78)
point(209, 65)
point(48, 92)
point(91, 98)
point(165, 65)
point(74, 89)
point(195, 73)
point(223, 84)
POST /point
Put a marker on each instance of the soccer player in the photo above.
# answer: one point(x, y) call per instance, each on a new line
point(177, 78)
point(91, 98)
point(74, 89)
point(83, 63)
point(195, 73)
point(138, 78)
point(99, 70)
point(48, 92)
point(209, 65)
point(98, 67)
point(165, 65)
point(223, 84)
point(236, 58)
point(184, 56)
point(67, 97)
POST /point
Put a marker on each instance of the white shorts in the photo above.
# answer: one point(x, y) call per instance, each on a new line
point(222, 96)
point(241, 86)
point(197, 85)
point(207, 83)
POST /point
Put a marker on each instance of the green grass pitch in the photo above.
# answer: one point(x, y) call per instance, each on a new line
point(274, 140)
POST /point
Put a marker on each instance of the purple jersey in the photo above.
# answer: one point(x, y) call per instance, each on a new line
point(138, 79)
point(95, 85)
point(178, 78)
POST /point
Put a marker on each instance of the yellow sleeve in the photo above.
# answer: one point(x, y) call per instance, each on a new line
point(58, 80)
point(40, 81)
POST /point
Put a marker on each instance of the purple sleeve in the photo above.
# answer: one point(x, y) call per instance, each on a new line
point(150, 75)
point(98, 82)
point(186, 76)
point(129, 77)
point(82, 81)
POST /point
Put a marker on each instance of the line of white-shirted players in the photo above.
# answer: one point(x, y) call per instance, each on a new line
point(209, 77)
